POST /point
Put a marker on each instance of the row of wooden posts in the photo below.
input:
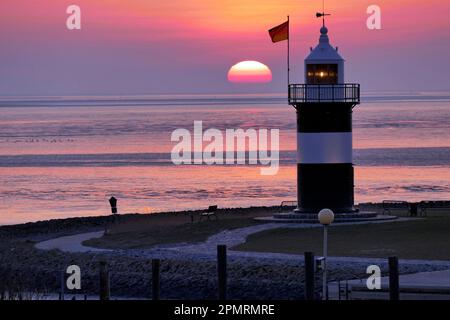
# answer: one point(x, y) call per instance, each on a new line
point(394, 287)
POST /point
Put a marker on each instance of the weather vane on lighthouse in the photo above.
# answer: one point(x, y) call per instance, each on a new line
point(322, 14)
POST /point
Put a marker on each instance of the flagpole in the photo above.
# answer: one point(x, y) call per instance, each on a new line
point(288, 55)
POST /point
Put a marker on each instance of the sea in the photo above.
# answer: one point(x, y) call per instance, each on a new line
point(66, 156)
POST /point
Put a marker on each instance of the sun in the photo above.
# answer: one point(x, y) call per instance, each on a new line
point(249, 72)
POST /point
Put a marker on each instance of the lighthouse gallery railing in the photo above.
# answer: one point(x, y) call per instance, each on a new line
point(314, 93)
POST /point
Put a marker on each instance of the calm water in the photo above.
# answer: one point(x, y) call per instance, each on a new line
point(64, 157)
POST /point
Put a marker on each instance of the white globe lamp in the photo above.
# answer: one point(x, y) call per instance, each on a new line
point(326, 216)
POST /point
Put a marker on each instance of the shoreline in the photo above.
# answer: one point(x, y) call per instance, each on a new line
point(99, 220)
point(68, 226)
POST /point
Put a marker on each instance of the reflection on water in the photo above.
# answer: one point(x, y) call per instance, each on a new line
point(44, 193)
point(138, 129)
point(60, 161)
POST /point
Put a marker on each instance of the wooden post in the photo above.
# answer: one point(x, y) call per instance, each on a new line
point(61, 294)
point(339, 290)
point(346, 290)
point(155, 279)
point(394, 281)
point(309, 276)
point(222, 271)
point(104, 281)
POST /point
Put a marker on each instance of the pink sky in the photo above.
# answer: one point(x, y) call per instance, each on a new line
point(187, 46)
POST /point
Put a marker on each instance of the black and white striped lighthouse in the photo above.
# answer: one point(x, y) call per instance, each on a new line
point(324, 105)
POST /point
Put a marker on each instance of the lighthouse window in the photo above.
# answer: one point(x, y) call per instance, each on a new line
point(322, 73)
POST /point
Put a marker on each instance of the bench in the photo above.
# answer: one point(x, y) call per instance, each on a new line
point(211, 212)
point(395, 205)
point(288, 204)
point(426, 206)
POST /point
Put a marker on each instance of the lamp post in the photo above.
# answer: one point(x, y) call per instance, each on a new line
point(326, 217)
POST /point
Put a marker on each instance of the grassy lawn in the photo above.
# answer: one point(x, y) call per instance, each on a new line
point(150, 230)
point(419, 239)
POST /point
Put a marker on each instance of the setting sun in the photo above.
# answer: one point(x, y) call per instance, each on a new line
point(250, 72)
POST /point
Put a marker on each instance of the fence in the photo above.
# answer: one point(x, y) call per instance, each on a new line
point(310, 270)
point(317, 93)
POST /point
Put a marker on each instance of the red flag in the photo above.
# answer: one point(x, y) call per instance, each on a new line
point(280, 33)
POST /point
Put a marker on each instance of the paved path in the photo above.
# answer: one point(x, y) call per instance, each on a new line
point(207, 250)
point(72, 243)
point(234, 237)
point(230, 238)
point(227, 237)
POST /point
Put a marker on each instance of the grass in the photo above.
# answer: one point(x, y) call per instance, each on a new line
point(150, 230)
point(417, 239)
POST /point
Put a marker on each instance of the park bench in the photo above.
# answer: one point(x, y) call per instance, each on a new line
point(426, 206)
point(211, 212)
point(390, 206)
point(288, 204)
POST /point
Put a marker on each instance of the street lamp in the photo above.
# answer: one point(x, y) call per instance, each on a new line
point(326, 217)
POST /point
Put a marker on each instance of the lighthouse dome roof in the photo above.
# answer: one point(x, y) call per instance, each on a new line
point(324, 51)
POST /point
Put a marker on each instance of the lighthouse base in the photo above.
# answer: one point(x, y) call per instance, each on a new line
point(304, 217)
point(347, 210)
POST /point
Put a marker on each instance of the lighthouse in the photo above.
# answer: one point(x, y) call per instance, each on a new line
point(324, 104)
